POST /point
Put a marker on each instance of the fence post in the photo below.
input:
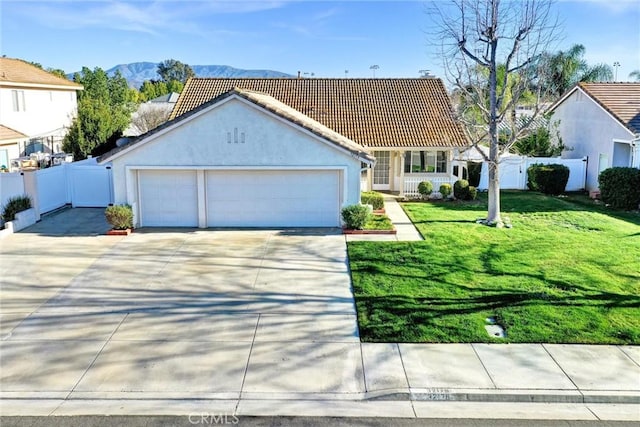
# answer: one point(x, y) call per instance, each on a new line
point(31, 189)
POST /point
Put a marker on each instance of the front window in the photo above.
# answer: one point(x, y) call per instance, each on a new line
point(425, 162)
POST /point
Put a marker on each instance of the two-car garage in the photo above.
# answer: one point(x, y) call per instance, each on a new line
point(243, 160)
point(239, 198)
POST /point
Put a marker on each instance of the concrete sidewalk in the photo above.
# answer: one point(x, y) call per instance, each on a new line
point(260, 323)
point(347, 378)
point(406, 231)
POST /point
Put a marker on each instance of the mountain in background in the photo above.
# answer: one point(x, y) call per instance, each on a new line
point(137, 72)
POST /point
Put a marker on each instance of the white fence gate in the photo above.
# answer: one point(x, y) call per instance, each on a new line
point(81, 184)
point(90, 186)
point(513, 172)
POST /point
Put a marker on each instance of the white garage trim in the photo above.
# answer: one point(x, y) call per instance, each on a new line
point(133, 184)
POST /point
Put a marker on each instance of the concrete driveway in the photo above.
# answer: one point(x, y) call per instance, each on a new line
point(174, 313)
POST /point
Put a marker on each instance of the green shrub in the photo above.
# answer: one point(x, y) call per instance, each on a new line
point(355, 216)
point(120, 217)
point(620, 187)
point(445, 190)
point(548, 179)
point(14, 205)
point(425, 188)
point(473, 192)
point(474, 169)
point(372, 198)
point(461, 189)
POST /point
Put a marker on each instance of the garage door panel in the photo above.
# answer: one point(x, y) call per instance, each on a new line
point(273, 198)
point(168, 198)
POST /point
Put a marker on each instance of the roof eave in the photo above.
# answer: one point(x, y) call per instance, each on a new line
point(73, 86)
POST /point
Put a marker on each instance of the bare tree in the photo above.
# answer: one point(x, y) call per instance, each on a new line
point(490, 50)
point(149, 116)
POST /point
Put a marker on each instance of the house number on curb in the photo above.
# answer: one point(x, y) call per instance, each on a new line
point(235, 137)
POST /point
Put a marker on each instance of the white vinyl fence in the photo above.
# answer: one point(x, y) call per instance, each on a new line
point(513, 172)
point(11, 184)
point(81, 184)
point(412, 181)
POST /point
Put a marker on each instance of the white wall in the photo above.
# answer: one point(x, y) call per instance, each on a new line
point(47, 188)
point(46, 110)
point(513, 172)
point(268, 142)
point(82, 184)
point(11, 185)
point(590, 131)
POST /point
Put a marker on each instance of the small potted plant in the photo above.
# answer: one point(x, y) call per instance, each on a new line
point(120, 217)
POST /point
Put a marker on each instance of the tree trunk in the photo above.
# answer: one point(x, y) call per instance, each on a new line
point(493, 214)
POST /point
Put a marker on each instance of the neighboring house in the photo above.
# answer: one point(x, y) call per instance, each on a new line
point(285, 152)
point(151, 114)
point(37, 104)
point(168, 99)
point(10, 142)
point(600, 121)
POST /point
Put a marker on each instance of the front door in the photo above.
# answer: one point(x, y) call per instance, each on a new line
point(381, 170)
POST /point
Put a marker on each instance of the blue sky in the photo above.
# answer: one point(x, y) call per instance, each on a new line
point(321, 37)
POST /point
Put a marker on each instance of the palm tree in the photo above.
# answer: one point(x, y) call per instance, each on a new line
point(566, 68)
point(634, 76)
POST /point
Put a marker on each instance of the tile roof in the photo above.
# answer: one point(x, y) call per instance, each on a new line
point(377, 113)
point(270, 104)
point(17, 71)
point(8, 134)
point(622, 100)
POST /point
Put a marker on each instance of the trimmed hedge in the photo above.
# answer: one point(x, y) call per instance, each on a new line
point(355, 216)
point(120, 217)
point(620, 187)
point(463, 191)
point(372, 198)
point(425, 188)
point(14, 205)
point(548, 179)
point(445, 190)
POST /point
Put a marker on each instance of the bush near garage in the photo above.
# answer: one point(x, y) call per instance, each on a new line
point(355, 216)
point(120, 217)
point(620, 187)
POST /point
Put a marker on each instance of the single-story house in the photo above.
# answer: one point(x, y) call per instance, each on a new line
point(285, 152)
point(600, 121)
point(151, 114)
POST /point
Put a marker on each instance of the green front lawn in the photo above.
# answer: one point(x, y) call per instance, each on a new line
point(567, 272)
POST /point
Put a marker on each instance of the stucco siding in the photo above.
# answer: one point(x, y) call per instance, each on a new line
point(46, 111)
point(235, 134)
point(588, 131)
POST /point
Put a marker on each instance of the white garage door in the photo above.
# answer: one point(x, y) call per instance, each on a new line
point(273, 198)
point(168, 198)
